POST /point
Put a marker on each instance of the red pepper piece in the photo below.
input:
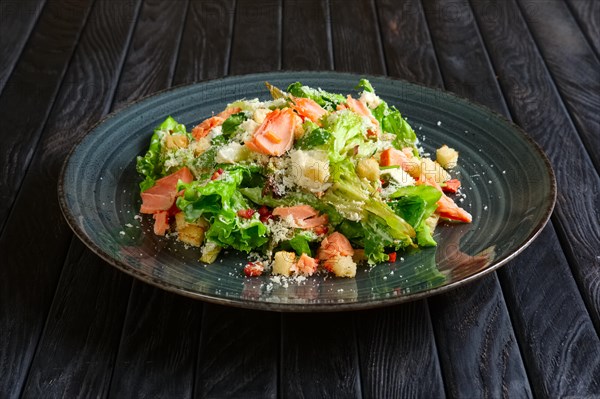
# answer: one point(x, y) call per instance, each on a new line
point(254, 269)
point(451, 186)
point(246, 213)
point(392, 257)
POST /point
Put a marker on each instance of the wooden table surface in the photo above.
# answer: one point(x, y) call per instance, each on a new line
point(73, 326)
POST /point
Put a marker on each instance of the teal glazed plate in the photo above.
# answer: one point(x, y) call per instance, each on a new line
point(507, 181)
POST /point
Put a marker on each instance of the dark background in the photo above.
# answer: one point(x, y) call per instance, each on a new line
point(72, 326)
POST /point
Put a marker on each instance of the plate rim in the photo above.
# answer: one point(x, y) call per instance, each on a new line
point(306, 307)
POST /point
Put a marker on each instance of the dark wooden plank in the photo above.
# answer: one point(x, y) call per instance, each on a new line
point(238, 354)
point(306, 35)
point(158, 347)
point(26, 283)
point(558, 340)
point(39, 73)
point(409, 56)
point(587, 13)
point(239, 349)
point(356, 39)
point(152, 56)
point(563, 46)
point(516, 59)
point(477, 346)
point(206, 43)
point(77, 350)
point(398, 355)
point(319, 356)
point(464, 311)
point(28, 278)
point(256, 37)
point(17, 19)
point(463, 60)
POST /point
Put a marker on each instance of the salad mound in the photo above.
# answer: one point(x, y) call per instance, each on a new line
point(311, 181)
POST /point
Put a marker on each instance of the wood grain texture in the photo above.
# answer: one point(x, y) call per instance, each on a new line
point(76, 352)
point(409, 52)
point(27, 283)
point(398, 356)
point(302, 51)
point(476, 343)
point(560, 346)
point(537, 107)
point(238, 355)
point(467, 72)
point(28, 277)
point(256, 37)
point(587, 13)
point(563, 45)
point(319, 356)
point(17, 19)
point(489, 363)
point(356, 39)
point(152, 55)
point(39, 74)
point(206, 42)
point(158, 348)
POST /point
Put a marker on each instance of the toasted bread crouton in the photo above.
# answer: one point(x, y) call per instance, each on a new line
point(341, 266)
point(446, 156)
point(368, 169)
point(284, 263)
point(189, 233)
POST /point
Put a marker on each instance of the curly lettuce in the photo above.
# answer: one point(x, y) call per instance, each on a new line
point(219, 201)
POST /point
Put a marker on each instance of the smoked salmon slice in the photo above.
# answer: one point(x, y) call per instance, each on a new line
point(309, 108)
point(204, 127)
point(161, 196)
point(276, 134)
point(360, 108)
point(306, 265)
point(161, 223)
point(305, 216)
point(334, 244)
point(448, 208)
point(394, 157)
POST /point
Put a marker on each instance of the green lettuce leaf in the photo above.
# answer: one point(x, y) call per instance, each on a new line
point(415, 204)
point(391, 121)
point(327, 100)
point(347, 133)
point(314, 137)
point(255, 195)
point(151, 164)
point(219, 201)
point(231, 124)
point(365, 85)
point(356, 200)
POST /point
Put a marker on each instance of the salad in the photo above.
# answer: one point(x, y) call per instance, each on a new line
point(308, 182)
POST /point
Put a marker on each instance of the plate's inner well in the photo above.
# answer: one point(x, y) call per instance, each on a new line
point(506, 183)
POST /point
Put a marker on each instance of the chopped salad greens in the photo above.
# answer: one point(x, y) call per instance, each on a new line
point(311, 180)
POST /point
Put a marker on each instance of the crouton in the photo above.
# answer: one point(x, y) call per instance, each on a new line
point(283, 263)
point(368, 169)
point(447, 157)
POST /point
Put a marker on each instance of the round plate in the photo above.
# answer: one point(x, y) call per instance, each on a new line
point(508, 187)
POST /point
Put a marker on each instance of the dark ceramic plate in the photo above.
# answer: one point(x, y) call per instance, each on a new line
point(509, 186)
